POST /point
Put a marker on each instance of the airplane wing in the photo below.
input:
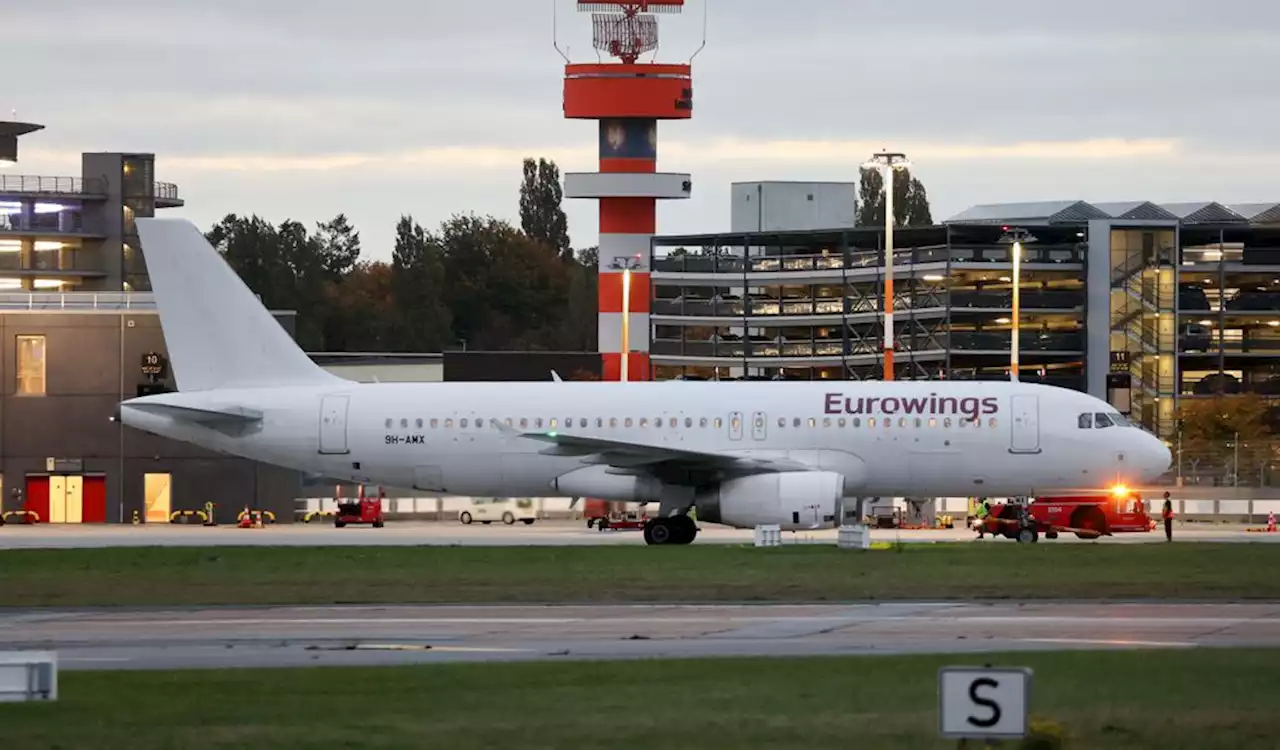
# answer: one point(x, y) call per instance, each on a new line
point(621, 454)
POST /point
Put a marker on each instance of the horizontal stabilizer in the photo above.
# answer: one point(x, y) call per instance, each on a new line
point(231, 420)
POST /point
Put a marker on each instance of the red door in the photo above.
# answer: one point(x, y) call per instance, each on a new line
point(38, 497)
point(93, 497)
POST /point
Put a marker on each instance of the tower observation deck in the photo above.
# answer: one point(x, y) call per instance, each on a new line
point(627, 98)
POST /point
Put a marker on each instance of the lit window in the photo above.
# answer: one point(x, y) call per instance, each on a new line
point(737, 423)
point(719, 423)
point(933, 422)
point(672, 423)
point(841, 421)
point(871, 421)
point(418, 423)
point(902, 421)
point(644, 421)
point(826, 421)
point(554, 422)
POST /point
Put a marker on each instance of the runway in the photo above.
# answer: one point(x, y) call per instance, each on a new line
point(542, 533)
point(370, 635)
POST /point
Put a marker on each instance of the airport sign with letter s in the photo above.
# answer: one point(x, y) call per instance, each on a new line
point(983, 702)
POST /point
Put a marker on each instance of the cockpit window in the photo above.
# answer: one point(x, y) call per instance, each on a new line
point(1118, 419)
point(1101, 420)
point(1086, 421)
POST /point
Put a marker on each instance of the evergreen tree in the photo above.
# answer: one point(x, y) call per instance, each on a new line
point(541, 216)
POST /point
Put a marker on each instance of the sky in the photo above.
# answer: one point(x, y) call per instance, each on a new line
point(301, 109)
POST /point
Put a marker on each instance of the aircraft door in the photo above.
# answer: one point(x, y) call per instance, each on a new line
point(735, 425)
point(1025, 425)
point(759, 425)
point(333, 424)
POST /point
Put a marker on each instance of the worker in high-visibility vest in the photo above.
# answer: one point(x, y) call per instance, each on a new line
point(983, 512)
point(1166, 512)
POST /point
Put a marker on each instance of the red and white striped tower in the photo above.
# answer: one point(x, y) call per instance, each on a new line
point(627, 98)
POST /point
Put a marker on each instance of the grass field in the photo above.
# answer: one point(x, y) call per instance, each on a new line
point(1201, 699)
point(334, 575)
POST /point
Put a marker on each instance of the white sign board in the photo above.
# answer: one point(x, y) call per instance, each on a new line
point(28, 676)
point(983, 702)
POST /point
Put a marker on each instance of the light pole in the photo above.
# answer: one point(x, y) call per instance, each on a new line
point(1018, 237)
point(626, 265)
point(888, 162)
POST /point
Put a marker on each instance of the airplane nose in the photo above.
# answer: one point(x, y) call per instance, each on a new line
point(1156, 457)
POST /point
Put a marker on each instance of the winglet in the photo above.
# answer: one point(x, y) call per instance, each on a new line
point(556, 376)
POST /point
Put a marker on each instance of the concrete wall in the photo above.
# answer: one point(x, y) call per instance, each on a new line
point(792, 206)
point(92, 362)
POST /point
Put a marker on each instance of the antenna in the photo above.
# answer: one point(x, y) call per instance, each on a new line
point(555, 30)
point(704, 31)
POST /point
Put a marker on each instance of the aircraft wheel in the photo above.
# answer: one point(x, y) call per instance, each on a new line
point(685, 529)
point(659, 531)
point(1028, 536)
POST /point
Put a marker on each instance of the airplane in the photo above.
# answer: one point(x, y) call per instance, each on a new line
point(738, 453)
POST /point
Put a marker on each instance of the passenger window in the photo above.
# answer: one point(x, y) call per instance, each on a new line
point(628, 422)
point(448, 423)
point(599, 421)
point(388, 424)
point(842, 421)
point(992, 422)
point(933, 422)
point(582, 422)
point(435, 423)
point(857, 421)
point(719, 422)
point(782, 421)
point(902, 421)
point(404, 423)
point(702, 422)
point(826, 421)
point(462, 423)
point(613, 421)
point(509, 421)
point(644, 421)
point(871, 421)
point(672, 423)
point(688, 421)
point(795, 422)
point(918, 422)
point(418, 424)
point(554, 422)
point(538, 422)
point(1086, 421)
point(1100, 421)
point(946, 423)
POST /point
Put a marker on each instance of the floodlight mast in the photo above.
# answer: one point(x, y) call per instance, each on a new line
point(888, 162)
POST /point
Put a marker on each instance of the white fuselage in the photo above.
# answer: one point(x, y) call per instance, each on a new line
point(887, 439)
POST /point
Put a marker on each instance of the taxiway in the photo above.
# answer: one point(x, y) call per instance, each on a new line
point(368, 635)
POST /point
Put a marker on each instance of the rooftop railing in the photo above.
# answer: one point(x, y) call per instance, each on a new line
point(25, 183)
point(77, 301)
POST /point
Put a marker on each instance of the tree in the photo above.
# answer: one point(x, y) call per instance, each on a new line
point(1217, 430)
point(339, 246)
point(362, 310)
point(422, 314)
point(541, 216)
point(910, 201)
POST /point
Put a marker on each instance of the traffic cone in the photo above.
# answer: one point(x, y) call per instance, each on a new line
point(246, 519)
point(1271, 521)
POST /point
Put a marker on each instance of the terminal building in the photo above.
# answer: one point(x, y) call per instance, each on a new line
point(1138, 303)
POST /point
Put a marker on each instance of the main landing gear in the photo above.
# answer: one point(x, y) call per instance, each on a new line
point(677, 529)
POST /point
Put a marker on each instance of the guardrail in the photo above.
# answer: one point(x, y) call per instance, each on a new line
point(96, 186)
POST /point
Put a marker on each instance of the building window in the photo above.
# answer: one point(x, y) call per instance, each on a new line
point(31, 366)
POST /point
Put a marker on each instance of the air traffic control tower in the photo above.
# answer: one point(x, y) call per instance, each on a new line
point(627, 98)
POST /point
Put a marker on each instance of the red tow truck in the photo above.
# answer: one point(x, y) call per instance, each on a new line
point(1088, 516)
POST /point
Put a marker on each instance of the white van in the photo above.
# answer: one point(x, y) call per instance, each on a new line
point(486, 510)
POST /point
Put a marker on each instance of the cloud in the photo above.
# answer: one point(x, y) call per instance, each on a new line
point(687, 155)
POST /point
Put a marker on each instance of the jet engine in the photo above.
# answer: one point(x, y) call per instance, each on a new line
point(596, 481)
point(792, 500)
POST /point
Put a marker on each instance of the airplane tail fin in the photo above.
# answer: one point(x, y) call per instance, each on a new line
point(218, 333)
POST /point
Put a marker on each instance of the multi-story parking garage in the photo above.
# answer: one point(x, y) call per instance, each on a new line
point(1138, 303)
